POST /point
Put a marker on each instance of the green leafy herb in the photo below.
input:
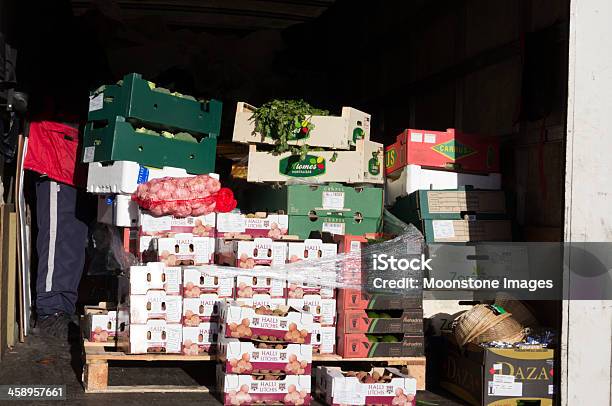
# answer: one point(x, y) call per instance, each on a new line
point(284, 121)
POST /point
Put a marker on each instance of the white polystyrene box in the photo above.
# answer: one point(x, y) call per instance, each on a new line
point(118, 210)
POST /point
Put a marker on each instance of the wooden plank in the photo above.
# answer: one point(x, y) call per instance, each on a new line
point(95, 376)
point(151, 389)
point(4, 210)
point(11, 286)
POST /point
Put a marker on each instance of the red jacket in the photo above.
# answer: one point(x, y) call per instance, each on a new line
point(53, 150)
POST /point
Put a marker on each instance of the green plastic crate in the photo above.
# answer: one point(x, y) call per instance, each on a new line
point(134, 99)
point(117, 140)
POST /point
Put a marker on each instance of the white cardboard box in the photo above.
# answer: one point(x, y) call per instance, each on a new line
point(323, 310)
point(101, 326)
point(167, 226)
point(155, 276)
point(243, 357)
point(118, 210)
point(182, 249)
point(414, 177)
point(364, 165)
point(123, 177)
point(336, 132)
point(251, 254)
point(201, 309)
point(198, 281)
point(201, 339)
point(250, 284)
point(336, 388)
point(155, 336)
point(230, 225)
point(323, 339)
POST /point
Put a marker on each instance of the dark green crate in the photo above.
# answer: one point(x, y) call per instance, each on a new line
point(118, 141)
point(478, 204)
point(303, 200)
point(303, 225)
point(134, 99)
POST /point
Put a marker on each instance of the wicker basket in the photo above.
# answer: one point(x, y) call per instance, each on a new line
point(482, 324)
point(519, 311)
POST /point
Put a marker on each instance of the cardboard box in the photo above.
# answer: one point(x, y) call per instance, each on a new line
point(169, 226)
point(310, 249)
point(446, 150)
point(333, 208)
point(480, 261)
point(201, 339)
point(182, 249)
point(251, 254)
point(154, 276)
point(245, 358)
point(323, 310)
point(198, 281)
point(453, 204)
point(123, 177)
point(466, 230)
point(338, 389)
point(250, 285)
point(335, 132)
point(359, 346)
point(243, 322)
point(495, 376)
point(323, 339)
point(354, 299)
point(118, 210)
point(204, 308)
point(411, 178)
point(154, 305)
point(264, 300)
point(299, 290)
point(247, 390)
point(155, 336)
point(359, 321)
point(100, 324)
point(364, 165)
point(231, 225)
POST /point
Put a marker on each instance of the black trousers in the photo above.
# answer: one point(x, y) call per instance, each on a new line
point(61, 244)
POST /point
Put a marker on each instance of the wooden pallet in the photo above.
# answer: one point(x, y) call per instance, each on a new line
point(99, 355)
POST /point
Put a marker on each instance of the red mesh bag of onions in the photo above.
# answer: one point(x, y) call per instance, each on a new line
point(182, 197)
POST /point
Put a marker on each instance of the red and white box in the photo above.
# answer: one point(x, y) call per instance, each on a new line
point(232, 225)
point(182, 249)
point(203, 308)
point(201, 339)
point(168, 226)
point(198, 282)
point(337, 388)
point(323, 339)
point(242, 390)
point(250, 285)
point(251, 254)
point(299, 290)
point(154, 305)
point(155, 276)
point(245, 358)
point(322, 310)
point(263, 300)
point(154, 336)
point(239, 321)
point(443, 149)
point(310, 249)
point(100, 324)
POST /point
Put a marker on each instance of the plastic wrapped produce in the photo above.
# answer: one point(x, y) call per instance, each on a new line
point(182, 197)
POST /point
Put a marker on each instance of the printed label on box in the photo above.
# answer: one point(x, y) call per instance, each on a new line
point(89, 154)
point(430, 138)
point(96, 102)
point(505, 389)
point(333, 200)
point(503, 378)
point(333, 228)
point(416, 137)
point(443, 229)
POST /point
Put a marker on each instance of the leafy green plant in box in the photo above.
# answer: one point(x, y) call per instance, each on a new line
point(286, 120)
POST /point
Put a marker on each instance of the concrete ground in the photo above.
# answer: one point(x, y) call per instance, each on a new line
point(37, 362)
